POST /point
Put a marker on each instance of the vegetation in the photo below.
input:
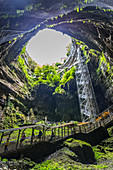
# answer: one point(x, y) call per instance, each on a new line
point(12, 116)
point(44, 75)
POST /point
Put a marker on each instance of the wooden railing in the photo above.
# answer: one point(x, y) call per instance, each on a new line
point(60, 131)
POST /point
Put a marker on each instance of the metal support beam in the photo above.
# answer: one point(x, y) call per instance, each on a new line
point(87, 100)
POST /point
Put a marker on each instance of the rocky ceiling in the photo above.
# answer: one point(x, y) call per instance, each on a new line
point(90, 21)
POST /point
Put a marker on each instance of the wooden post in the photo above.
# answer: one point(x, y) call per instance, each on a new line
point(68, 130)
point(55, 134)
point(94, 125)
point(43, 133)
point(109, 114)
point(79, 129)
point(74, 128)
point(58, 132)
point(90, 126)
point(84, 129)
point(72, 131)
point(18, 139)
point(2, 137)
point(10, 134)
point(100, 122)
point(32, 136)
point(62, 131)
point(103, 123)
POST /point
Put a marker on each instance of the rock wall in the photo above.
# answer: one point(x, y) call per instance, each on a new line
point(88, 21)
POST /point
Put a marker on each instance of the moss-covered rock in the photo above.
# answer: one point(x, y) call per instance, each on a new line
point(64, 151)
point(82, 149)
point(108, 142)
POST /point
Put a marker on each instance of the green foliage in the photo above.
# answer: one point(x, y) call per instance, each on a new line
point(19, 11)
point(68, 48)
point(46, 74)
point(105, 68)
point(12, 115)
point(47, 165)
point(4, 160)
point(68, 75)
point(59, 90)
point(24, 68)
point(98, 153)
point(57, 64)
point(23, 50)
point(29, 7)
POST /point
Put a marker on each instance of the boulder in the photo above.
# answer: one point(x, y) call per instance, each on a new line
point(82, 149)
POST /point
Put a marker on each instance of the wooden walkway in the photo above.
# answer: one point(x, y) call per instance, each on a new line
point(62, 131)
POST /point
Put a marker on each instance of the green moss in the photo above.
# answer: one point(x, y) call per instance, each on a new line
point(5, 16)
point(37, 6)
point(61, 15)
point(29, 7)
point(71, 21)
point(73, 142)
point(16, 24)
point(20, 11)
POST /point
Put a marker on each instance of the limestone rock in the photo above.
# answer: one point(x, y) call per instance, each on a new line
point(82, 149)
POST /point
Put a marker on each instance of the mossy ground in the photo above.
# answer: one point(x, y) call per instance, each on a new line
point(65, 160)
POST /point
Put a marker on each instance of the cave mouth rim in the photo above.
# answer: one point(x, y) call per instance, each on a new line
point(51, 36)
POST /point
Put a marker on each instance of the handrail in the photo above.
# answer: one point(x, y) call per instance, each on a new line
point(20, 128)
point(105, 110)
point(60, 131)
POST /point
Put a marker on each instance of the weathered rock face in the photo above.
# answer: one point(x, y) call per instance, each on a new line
point(41, 98)
point(90, 21)
point(57, 107)
point(103, 89)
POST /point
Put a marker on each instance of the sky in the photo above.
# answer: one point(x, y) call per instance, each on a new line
point(48, 46)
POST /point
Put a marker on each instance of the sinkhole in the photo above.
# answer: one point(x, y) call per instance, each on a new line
point(48, 47)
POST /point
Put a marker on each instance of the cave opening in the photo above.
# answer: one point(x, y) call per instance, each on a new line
point(48, 47)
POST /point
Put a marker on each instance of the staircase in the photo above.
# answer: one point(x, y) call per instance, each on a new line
point(104, 119)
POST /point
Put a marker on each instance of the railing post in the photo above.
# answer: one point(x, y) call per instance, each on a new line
point(55, 134)
point(43, 134)
point(103, 123)
point(58, 132)
point(84, 129)
point(32, 136)
point(1, 137)
point(68, 130)
point(18, 139)
point(79, 129)
point(109, 114)
point(100, 122)
point(62, 131)
point(74, 129)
